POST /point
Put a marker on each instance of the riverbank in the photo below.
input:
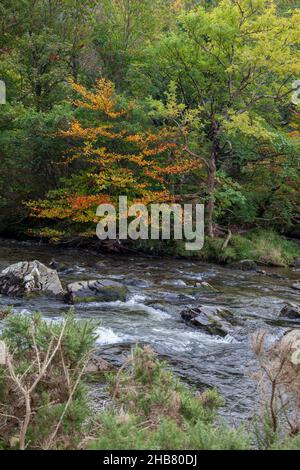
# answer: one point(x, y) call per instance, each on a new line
point(264, 247)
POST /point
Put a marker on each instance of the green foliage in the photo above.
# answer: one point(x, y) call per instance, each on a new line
point(265, 436)
point(59, 395)
point(290, 443)
point(78, 339)
point(122, 30)
point(29, 153)
point(263, 246)
point(221, 70)
point(231, 90)
point(153, 410)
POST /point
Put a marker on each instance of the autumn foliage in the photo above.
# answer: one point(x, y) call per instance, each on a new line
point(111, 160)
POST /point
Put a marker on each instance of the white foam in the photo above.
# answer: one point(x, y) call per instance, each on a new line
point(179, 283)
point(25, 312)
point(183, 340)
point(108, 336)
point(134, 303)
point(227, 339)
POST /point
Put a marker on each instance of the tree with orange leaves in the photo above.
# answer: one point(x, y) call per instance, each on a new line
point(107, 160)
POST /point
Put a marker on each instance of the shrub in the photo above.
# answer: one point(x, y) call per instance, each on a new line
point(43, 399)
point(154, 410)
point(279, 383)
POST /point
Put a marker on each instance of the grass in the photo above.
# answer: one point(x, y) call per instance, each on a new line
point(263, 246)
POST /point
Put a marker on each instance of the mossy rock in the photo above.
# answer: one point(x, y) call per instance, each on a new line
point(212, 320)
point(96, 291)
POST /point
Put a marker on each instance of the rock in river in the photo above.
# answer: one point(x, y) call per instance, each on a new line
point(245, 265)
point(27, 277)
point(101, 290)
point(291, 311)
point(213, 320)
point(296, 285)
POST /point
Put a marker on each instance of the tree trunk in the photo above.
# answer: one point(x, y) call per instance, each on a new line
point(26, 421)
point(211, 182)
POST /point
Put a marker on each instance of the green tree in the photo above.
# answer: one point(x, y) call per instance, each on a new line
point(234, 65)
point(123, 28)
point(44, 42)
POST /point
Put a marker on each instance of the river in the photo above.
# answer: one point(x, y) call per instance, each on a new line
point(159, 290)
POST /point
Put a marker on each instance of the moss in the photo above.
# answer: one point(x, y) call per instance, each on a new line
point(103, 294)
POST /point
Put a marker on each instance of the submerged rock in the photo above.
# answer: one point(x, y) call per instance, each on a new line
point(28, 277)
point(296, 285)
point(100, 265)
point(61, 267)
point(213, 320)
point(99, 290)
point(291, 311)
point(270, 274)
point(245, 265)
point(136, 283)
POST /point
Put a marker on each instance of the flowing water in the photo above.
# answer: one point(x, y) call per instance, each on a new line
point(159, 290)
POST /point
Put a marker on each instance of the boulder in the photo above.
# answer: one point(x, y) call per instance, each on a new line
point(291, 311)
point(212, 320)
point(296, 263)
point(28, 277)
point(100, 290)
point(96, 364)
point(136, 283)
point(245, 265)
point(296, 285)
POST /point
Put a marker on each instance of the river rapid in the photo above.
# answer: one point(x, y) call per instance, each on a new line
point(159, 290)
